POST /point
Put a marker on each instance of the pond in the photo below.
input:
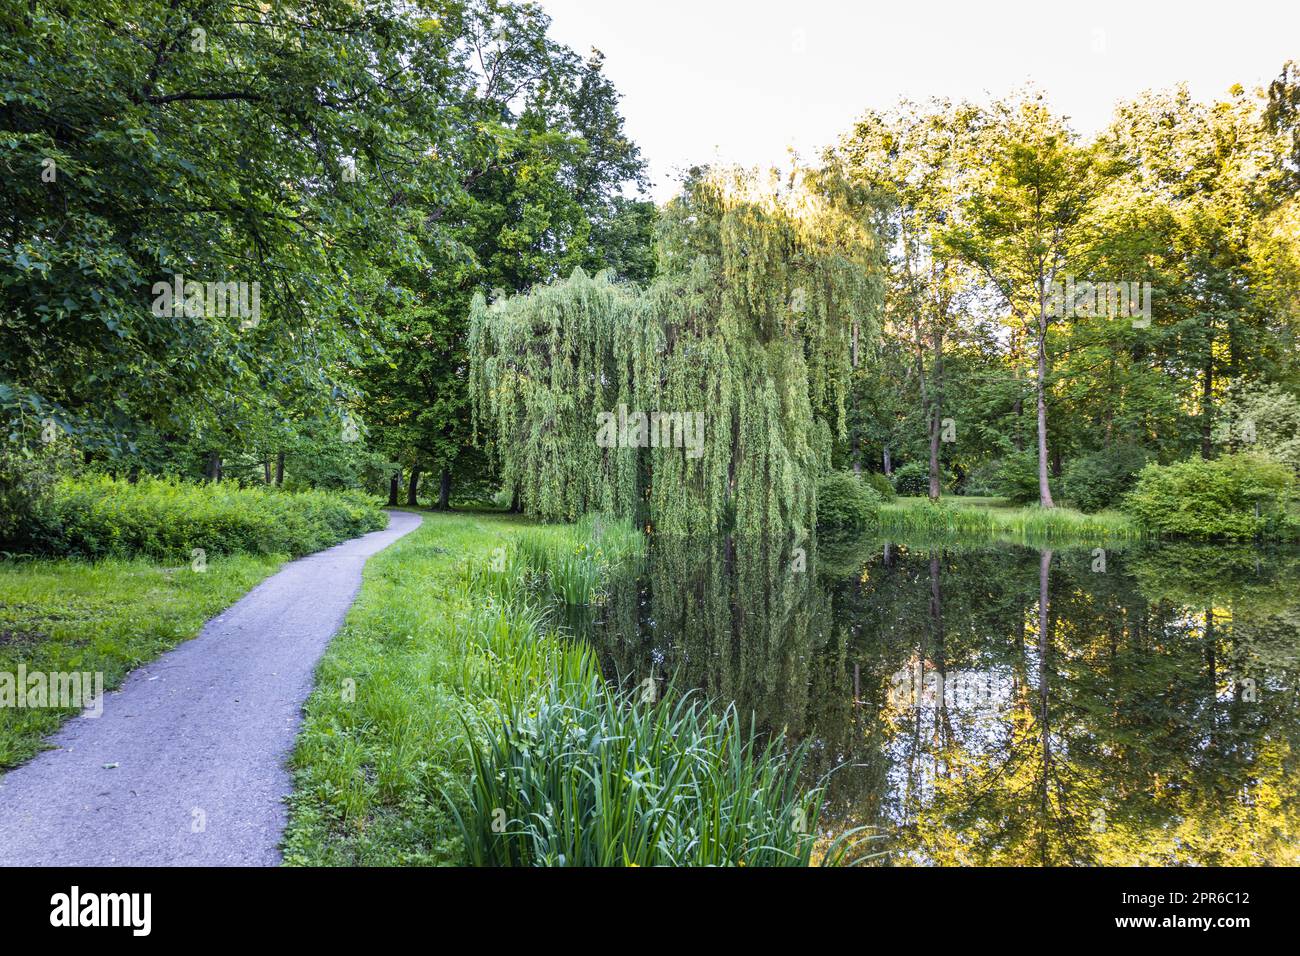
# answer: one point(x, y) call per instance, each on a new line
point(999, 704)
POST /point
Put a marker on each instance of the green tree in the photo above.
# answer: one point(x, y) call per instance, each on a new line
point(1025, 224)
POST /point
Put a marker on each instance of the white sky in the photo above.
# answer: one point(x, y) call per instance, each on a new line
point(736, 81)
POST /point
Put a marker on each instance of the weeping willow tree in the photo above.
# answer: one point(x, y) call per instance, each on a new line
point(746, 330)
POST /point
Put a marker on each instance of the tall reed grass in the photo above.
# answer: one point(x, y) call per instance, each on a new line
point(1028, 525)
point(583, 775)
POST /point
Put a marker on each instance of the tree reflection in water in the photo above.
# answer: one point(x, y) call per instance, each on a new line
point(999, 704)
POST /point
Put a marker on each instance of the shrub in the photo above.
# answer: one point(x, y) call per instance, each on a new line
point(27, 481)
point(845, 502)
point(881, 485)
point(1099, 480)
point(1018, 478)
point(982, 480)
point(912, 478)
point(98, 517)
point(1237, 496)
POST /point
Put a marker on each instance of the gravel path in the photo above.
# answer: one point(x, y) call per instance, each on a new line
point(187, 764)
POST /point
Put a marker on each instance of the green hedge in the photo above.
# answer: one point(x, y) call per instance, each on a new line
point(1237, 496)
point(101, 517)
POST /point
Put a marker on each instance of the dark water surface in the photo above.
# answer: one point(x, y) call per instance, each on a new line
point(1001, 704)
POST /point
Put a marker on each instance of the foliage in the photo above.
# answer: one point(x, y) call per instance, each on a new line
point(1264, 419)
point(145, 142)
point(1237, 496)
point(905, 159)
point(983, 479)
point(100, 516)
point(912, 478)
point(1097, 481)
point(845, 502)
point(27, 478)
point(744, 331)
point(880, 484)
point(1018, 478)
point(543, 165)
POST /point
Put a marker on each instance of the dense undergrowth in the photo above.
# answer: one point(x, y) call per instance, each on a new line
point(454, 721)
point(96, 517)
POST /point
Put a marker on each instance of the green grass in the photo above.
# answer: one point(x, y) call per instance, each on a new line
point(382, 734)
point(994, 519)
point(106, 616)
point(416, 745)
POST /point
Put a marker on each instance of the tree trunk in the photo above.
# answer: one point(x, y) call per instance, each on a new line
point(412, 486)
point(393, 484)
point(1018, 406)
point(444, 490)
point(936, 411)
point(887, 462)
point(279, 470)
point(1044, 664)
point(214, 466)
point(1207, 398)
point(266, 470)
point(1040, 386)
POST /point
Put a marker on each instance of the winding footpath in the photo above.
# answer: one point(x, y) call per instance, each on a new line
point(187, 764)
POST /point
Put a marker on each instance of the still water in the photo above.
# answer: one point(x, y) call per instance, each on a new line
point(996, 704)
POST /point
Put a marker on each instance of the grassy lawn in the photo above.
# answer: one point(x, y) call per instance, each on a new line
point(105, 616)
point(1000, 519)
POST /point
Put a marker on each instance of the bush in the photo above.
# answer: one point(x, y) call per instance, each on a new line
point(845, 502)
point(880, 485)
point(1238, 496)
point(912, 479)
point(99, 517)
point(27, 481)
point(982, 480)
point(1099, 480)
point(1018, 478)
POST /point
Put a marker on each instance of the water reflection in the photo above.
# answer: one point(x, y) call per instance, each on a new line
point(1001, 705)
